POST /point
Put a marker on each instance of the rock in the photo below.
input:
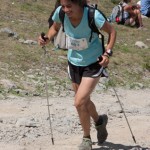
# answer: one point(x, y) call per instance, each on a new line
point(7, 84)
point(26, 122)
point(140, 44)
point(31, 42)
point(21, 40)
point(1, 120)
point(9, 32)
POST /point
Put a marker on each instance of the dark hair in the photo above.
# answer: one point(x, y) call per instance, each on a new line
point(126, 1)
point(57, 3)
point(81, 3)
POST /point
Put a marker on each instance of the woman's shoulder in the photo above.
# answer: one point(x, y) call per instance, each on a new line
point(127, 6)
point(56, 15)
point(58, 8)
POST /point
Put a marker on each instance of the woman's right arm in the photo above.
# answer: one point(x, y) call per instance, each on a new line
point(130, 9)
point(50, 35)
point(53, 30)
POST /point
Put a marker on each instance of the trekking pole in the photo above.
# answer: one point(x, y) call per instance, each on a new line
point(124, 114)
point(46, 87)
point(100, 59)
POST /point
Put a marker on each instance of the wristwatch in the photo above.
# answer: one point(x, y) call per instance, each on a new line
point(109, 52)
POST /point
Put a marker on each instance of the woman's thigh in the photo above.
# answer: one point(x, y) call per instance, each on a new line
point(85, 89)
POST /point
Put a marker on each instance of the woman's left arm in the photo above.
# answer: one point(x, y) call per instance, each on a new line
point(111, 41)
point(111, 35)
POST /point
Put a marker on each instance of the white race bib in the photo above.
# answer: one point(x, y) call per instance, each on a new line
point(76, 44)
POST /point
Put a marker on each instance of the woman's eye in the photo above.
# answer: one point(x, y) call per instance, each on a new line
point(67, 6)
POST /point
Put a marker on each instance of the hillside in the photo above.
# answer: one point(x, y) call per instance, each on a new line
point(24, 119)
point(21, 59)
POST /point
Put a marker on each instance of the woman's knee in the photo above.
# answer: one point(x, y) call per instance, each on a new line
point(137, 11)
point(80, 103)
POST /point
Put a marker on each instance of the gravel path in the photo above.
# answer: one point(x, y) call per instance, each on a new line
point(24, 122)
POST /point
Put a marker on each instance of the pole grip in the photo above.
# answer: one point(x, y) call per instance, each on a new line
point(100, 58)
point(43, 36)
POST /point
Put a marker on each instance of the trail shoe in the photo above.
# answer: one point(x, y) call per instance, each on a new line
point(86, 144)
point(101, 130)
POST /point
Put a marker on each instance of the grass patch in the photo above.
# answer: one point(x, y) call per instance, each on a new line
point(128, 65)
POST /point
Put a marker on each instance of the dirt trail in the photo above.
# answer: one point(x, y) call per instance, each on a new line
point(24, 122)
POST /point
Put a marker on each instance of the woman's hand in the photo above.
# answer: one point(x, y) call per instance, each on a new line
point(43, 40)
point(104, 61)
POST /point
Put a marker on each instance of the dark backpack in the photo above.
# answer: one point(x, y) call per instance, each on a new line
point(117, 14)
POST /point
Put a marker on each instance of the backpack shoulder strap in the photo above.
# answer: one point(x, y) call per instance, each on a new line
point(62, 17)
point(50, 21)
point(92, 25)
point(121, 12)
point(91, 21)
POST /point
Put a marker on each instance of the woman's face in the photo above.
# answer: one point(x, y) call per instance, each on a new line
point(69, 7)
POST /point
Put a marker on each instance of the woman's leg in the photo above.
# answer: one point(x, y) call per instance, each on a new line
point(83, 104)
point(137, 17)
point(92, 110)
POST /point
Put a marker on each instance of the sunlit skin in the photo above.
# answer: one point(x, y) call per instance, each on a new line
point(135, 14)
point(68, 7)
point(73, 11)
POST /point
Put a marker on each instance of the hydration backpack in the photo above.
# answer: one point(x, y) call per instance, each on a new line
point(117, 14)
point(91, 22)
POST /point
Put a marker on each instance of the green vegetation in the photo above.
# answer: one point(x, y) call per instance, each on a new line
point(129, 65)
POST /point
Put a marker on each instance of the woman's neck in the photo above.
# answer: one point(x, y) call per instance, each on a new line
point(76, 18)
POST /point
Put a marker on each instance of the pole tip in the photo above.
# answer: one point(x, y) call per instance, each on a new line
point(52, 141)
point(134, 139)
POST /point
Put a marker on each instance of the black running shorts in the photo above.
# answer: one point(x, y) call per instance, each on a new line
point(77, 72)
